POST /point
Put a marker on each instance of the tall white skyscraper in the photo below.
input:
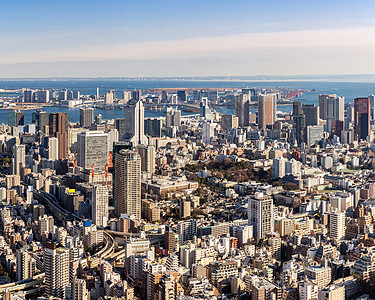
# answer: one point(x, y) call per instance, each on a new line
point(93, 147)
point(134, 123)
point(99, 206)
point(260, 215)
point(56, 267)
point(337, 225)
point(127, 185)
point(53, 148)
point(18, 159)
point(147, 154)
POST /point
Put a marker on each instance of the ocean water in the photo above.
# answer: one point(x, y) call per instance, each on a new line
point(349, 90)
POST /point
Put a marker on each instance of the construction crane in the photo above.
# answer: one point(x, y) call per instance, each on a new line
point(93, 167)
point(71, 157)
point(106, 175)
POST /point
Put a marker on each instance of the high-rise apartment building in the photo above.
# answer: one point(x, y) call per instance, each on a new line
point(181, 96)
point(93, 147)
point(361, 118)
point(42, 96)
point(173, 117)
point(86, 117)
point(28, 96)
point(99, 208)
point(147, 154)
point(56, 268)
point(79, 291)
point(134, 123)
point(127, 185)
point(26, 265)
point(278, 167)
point(260, 215)
point(267, 104)
point(242, 109)
point(58, 128)
point(109, 97)
point(337, 226)
point(187, 230)
point(16, 118)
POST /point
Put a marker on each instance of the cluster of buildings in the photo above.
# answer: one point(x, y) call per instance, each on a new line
point(262, 205)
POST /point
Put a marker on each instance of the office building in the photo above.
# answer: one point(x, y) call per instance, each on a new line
point(242, 109)
point(153, 127)
point(40, 119)
point(319, 275)
point(331, 108)
point(299, 123)
point(58, 128)
point(372, 107)
point(120, 126)
point(229, 122)
point(311, 113)
point(56, 268)
point(53, 148)
point(136, 95)
point(314, 134)
point(361, 118)
point(337, 226)
point(19, 152)
point(99, 210)
point(16, 118)
point(147, 154)
point(92, 151)
point(266, 110)
point(127, 185)
point(86, 117)
point(205, 111)
point(181, 96)
point(134, 123)
point(260, 215)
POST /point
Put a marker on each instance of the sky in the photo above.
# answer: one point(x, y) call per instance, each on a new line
point(90, 38)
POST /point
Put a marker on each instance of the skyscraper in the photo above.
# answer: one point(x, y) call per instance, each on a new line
point(260, 215)
point(99, 209)
point(266, 110)
point(127, 186)
point(229, 122)
point(18, 159)
point(93, 148)
point(205, 111)
point(147, 154)
point(40, 119)
point(53, 148)
point(332, 108)
point(311, 114)
point(56, 267)
point(173, 117)
point(120, 126)
point(153, 126)
point(134, 123)
point(242, 109)
point(361, 118)
point(16, 118)
point(181, 96)
point(86, 117)
point(299, 123)
point(109, 97)
point(187, 230)
point(58, 127)
point(28, 96)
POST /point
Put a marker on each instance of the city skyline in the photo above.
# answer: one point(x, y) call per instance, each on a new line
point(93, 39)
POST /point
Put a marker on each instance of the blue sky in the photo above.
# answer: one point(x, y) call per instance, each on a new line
point(185, 38)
